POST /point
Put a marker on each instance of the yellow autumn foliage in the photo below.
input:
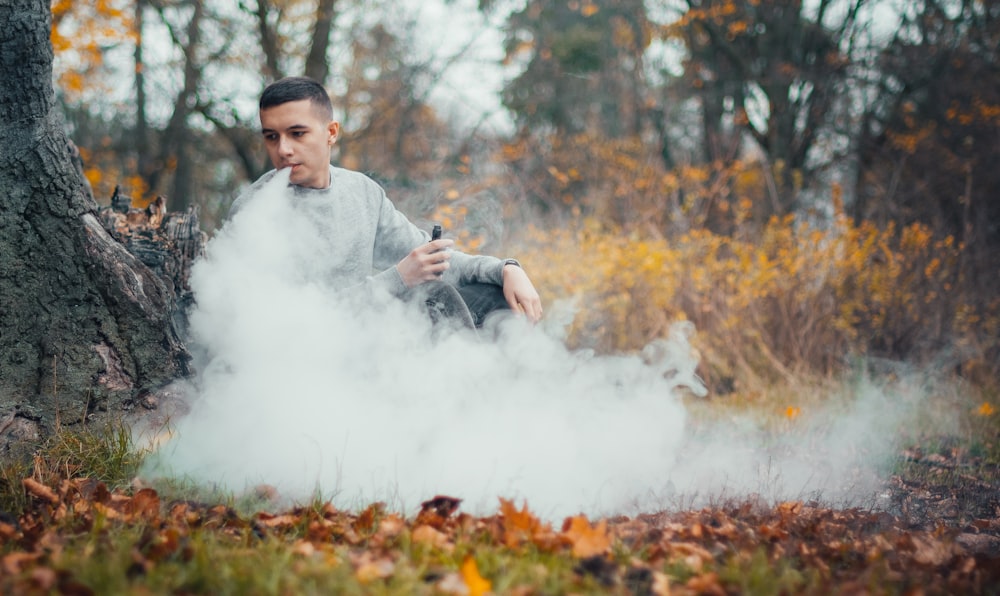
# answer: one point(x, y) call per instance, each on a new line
point(81, 34)
point(794, 299)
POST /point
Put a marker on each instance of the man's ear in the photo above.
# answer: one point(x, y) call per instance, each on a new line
point(334, 129)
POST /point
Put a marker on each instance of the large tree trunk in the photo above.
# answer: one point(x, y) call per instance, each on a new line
point(84, 325)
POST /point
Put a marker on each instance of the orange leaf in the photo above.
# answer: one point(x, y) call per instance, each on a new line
point(145, 504)
point(470, 575)
point(789, 509)
point(429, 536)
point(365, 521)
point(304, 548)
point(14, 563)
point(7, 531)
point(371, 570)
point(519, 526)
point(587, 540)
point(37, 489)
point(390, 526)
point(694, 556)
point(661, 584)
point(285, 520)
point(706, 584)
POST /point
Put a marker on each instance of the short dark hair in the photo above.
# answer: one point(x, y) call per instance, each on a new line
point(296, 89)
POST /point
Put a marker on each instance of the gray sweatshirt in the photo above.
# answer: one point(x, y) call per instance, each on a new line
point(366, 236)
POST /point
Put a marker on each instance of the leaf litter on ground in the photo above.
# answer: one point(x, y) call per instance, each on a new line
point(144, 543)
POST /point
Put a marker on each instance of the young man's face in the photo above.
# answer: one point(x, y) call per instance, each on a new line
point(297, 136)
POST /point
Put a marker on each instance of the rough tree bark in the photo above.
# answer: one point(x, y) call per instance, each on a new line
point(85, 327)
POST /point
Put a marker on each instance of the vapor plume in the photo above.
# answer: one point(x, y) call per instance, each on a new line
point(315, 391)
point(351, 396)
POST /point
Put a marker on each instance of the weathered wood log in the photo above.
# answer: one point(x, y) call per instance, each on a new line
point(167, 243)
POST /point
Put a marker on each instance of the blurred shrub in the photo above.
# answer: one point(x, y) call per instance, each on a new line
point(793, 299)
point(621, 181)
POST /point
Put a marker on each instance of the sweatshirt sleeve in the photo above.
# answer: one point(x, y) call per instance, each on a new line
point(397, 236)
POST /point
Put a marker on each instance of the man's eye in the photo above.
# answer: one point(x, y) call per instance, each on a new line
point(270, 137)
point(298, 133)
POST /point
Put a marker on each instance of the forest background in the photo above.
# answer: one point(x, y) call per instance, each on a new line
point(812, 184)
point(808, 182)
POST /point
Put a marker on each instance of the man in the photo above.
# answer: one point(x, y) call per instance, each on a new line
point(369, 241)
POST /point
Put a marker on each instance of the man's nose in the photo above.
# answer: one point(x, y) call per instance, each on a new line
point(284, 147)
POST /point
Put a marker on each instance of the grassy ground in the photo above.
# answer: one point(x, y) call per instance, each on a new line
point(74, 523)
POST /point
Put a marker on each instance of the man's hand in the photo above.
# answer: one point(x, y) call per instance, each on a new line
point(520, 293)
point(425, 263)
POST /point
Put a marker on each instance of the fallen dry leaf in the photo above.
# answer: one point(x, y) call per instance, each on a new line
point(286, 520)
point(520, 526)
point(163, 544)
point(303, 548)
point(476, 584)
point(927, 551)
point(843, 548)
point(587, 540)
point(7, 531)
point(44, 578)
point(429, 536)
point(372, 570)
point(108, 511)
point(145, 505)
point(39, 490)
point(694, 556)
point(453, 584)
point(661, 584)
point(435, 512)
point(391, 525)
point(365, 521)
point(707, 584)
point(14, 562)
point(789, 509)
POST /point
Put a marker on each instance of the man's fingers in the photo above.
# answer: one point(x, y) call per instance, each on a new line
point(434, 260)
point(437, 245)
point(520, 294)
point(533, 310)
point(437, 269)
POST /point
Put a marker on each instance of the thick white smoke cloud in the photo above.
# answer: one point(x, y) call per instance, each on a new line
point(838, 450)
point(309, 391)
point(312, 392)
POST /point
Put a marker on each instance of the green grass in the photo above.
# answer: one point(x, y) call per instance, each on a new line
point(106, 454)
point(12, 497)
point(213, 563)
point(757, 573)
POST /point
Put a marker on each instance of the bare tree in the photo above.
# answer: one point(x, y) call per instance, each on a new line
point(584, 66)
point(317, 65)
point(176, 156)
point(774, 71)
point(929, 143)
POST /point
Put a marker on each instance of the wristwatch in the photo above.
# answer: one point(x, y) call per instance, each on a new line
point(511, 262)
